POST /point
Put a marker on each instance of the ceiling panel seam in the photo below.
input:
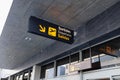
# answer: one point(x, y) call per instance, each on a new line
point(47, 7)
point(89, 5)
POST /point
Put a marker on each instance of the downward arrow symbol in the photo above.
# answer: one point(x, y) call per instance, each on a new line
point(42, 28)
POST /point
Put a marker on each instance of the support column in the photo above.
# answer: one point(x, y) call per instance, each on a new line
point(55, 69)
point(80, 57)
point(40, 71)
point(36, 72)
point(29, 74)
point(14, 77)
point(23, 76)
point(9, 78)
point(18, 77)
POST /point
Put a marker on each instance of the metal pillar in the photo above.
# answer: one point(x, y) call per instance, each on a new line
point(9, 78)
point(55, 69)
point(80, 57)
point(23, 76)
point(29, 74)
point(40, 71)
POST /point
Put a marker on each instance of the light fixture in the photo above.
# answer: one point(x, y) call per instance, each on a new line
point(75, 33)
point(28, 38)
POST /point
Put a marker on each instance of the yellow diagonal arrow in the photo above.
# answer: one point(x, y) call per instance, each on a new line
point(42, 28)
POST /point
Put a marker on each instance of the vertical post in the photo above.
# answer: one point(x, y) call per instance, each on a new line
point(40, 71)
point(18, 77)
point(9, 78)
point(90, 55)
point(55, 69)
point(111, 78)
point(23, 74)
point(15, 77)
point(29, 74)
point(69, 59)
point(80, 57)
point(36, 72)
point(99, 57)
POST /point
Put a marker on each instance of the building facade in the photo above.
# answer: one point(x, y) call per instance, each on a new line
point(95, 54)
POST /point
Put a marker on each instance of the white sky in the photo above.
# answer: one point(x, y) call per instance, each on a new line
point(6, 72)
point(4, 10)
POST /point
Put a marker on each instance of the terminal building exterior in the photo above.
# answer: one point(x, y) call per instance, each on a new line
point(94, 54)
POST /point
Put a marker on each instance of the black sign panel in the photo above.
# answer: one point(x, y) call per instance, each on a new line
point(50, 30)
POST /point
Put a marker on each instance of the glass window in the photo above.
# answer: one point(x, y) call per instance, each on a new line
point(74, 57)
point(42, 72)
point(23, 75)
point(62, 66)
point(95, 55)
point(47, 71)
point(104, 57)
point(117, 77)
point(108, 50)
point(62, 70)
point(86, 54)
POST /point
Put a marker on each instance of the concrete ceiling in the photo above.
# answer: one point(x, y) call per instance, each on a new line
point(17, 45)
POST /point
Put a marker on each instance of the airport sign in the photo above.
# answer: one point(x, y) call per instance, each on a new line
point(50, 30)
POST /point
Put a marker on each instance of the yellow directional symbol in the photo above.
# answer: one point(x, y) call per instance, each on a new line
point(52, 31)
point(42, 28)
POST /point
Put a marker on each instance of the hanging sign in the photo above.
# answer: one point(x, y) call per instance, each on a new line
point(50, 30)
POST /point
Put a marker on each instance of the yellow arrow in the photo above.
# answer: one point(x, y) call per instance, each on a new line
point(42, 28)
